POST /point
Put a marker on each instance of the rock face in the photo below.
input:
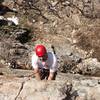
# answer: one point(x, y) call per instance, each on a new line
point(12, 48)
point(24, 89)
point(63, 88)
point(71, 26)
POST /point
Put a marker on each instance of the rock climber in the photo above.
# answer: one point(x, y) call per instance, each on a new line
point(44, 63)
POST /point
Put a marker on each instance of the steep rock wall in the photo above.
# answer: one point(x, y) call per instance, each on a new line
point(71, 26)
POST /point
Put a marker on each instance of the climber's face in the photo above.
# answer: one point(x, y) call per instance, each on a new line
point(43, 58)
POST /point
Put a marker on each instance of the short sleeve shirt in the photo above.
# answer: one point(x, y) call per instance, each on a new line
point(50, 63)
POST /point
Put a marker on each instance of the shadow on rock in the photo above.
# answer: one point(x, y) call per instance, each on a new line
point(5, 9)
point(5, 22)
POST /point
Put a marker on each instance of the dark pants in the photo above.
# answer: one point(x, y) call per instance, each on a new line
point(44, 73)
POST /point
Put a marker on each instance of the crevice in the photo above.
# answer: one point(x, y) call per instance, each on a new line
point(21, 88)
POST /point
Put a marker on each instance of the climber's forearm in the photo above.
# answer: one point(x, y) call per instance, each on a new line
point(37, 74)
point(51, 76)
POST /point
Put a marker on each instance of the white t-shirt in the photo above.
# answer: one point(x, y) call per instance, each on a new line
point(50, 63)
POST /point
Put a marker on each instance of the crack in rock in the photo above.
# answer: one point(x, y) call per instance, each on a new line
point(22, 85)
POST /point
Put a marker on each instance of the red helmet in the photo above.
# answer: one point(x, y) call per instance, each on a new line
point(40, 50)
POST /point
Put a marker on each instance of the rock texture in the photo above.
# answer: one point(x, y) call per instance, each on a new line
point(71, 26)
point(13, 49)
point(65, 87)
